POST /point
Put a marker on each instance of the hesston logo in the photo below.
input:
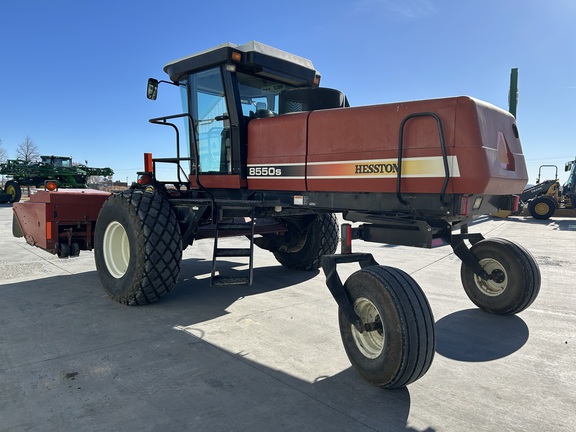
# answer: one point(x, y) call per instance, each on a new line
point(427, 166)
point(378, 168)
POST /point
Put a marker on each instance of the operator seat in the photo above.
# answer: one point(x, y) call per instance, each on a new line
point(264, 113)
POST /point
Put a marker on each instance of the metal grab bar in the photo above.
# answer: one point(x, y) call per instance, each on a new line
point(442, 147)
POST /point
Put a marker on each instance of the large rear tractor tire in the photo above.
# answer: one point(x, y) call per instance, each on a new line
point(399, 347)
point(138, 247)
point(13, 189)
point(515, 282)
point(542, 207)
point(305, 248)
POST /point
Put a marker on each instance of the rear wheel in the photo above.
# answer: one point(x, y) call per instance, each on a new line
point(13, 189)
point(303, 249)
point(138, 247)
point(542, 207)
point(399, 346)
point(515, 282)
point(74, 249)
point(63, 250)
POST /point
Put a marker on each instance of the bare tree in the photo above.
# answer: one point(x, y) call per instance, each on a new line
point(2, 153)
point(27, 151)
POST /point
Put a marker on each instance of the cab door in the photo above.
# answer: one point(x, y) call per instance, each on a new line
point(213, 130)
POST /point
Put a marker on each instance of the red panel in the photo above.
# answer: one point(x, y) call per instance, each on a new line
point(47, 210)
point(505, 164)
point(32, 219)
point(356, 149)
point(218, 181)
point(367, 138)
point(277, 152)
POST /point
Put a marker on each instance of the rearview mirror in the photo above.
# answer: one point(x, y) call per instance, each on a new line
point(152, 89)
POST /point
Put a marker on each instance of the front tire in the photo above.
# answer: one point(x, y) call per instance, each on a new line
point(516, 277)
point(13, 189)
point(305, 248)
point(138, 247)
point(401, 348)
point(542, 207)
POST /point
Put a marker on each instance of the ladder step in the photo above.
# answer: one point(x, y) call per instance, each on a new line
point(232, 252)
point(231, 223)
point(235, 227)
point(223, 280)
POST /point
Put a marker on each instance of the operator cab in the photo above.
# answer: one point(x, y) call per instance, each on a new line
point(225, 88)
point(569, 187)
point(57, 161)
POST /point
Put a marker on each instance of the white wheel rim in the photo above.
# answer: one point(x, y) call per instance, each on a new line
point(370, 343)
point(491, 287)
point(116, 249)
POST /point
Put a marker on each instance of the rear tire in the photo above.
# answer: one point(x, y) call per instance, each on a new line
point(63, 250)
point(517, 277)
point(307, 247)
point(74, 249)
point(138, 247)
point(13, 189)
point(402, 350)
point(542, 207)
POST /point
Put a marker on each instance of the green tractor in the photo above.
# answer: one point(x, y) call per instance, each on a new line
point(59, 168)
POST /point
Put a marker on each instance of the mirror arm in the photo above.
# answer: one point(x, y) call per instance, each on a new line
point(152, 89)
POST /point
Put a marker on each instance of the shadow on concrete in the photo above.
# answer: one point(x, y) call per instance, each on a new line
point(70, 349)
point(198, 301)
point(552, 223)
point(475, 336)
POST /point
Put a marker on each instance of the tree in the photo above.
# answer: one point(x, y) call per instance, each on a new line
point(2, 153)
point(27, 151)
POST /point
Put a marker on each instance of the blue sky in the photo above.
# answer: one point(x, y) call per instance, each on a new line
point(73, 73)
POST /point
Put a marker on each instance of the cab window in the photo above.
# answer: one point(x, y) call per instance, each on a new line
point(259, 96)
point(209, 110)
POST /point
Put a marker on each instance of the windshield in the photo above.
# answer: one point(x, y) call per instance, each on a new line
point(57, 161)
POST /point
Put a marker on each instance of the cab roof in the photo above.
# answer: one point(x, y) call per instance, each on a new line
point(252, 57)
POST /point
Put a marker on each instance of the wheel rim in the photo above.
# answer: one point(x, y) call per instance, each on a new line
point(370, 343)
point(541, 208)
point(295, 247)
point(116, 248)
point(11, 190)
point(493, 287)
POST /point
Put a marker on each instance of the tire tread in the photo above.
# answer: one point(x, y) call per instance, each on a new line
point(158, 266)
point(528, 269)
point(416, 324)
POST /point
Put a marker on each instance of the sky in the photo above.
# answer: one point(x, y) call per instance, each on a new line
point(73, 73)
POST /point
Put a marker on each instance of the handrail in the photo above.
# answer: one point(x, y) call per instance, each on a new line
point(442, 147)
point(194, 148)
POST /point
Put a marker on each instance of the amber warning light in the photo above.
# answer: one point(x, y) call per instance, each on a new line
point(51, 185)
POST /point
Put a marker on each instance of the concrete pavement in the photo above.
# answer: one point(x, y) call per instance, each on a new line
point(269, 357)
